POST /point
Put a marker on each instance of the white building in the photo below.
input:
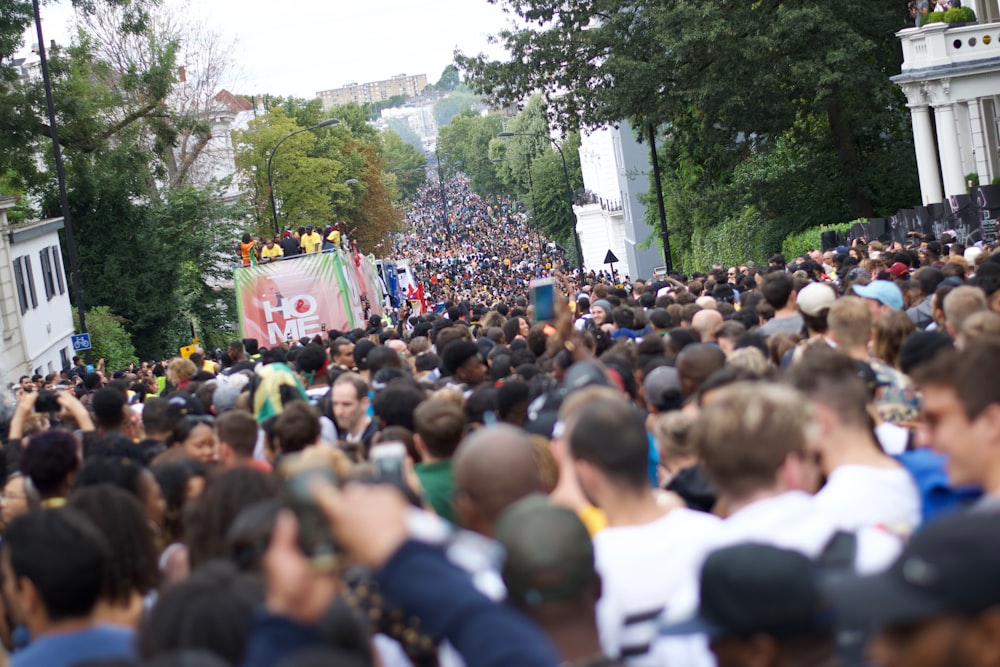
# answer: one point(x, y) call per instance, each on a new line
point(951, 79)
point(610, 215)
point(419, 118)
point(217, 158)
point(36, 321)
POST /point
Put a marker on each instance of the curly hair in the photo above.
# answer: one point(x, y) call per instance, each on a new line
point(122, 472)
point(225, 496)
point(122, 520)
point(173, 480)
point(213, 610)
point(49, 459)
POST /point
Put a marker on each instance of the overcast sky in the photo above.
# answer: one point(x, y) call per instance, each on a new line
point(299, 47)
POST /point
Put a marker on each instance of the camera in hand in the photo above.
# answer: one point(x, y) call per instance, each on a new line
point(47, 401)
point(315, 535)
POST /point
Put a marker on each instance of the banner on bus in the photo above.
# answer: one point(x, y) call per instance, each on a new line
point(306, 295)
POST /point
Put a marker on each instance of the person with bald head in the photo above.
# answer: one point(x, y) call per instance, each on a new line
point(704, 322)
point(695, 364)
point(494, 468)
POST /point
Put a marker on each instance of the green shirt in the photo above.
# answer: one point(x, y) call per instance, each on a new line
point(439, 486)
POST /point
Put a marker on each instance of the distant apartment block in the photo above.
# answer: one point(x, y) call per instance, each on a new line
point(376, 91)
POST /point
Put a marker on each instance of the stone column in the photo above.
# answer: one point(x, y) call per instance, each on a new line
point(979, 148)
point(951, 159)
point(927, 162)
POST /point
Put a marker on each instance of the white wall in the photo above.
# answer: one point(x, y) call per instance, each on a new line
point(597, 162)
point(47, 323)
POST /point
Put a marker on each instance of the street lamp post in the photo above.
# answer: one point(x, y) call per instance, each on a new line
point(74, 267)
point(569, 190)
point(270, 184)
point(444, 195)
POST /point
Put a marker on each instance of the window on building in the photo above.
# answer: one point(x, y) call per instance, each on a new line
point(29, 279)
point(22, 293)
point(47, 278)
point(64, 357)
point(57, 268)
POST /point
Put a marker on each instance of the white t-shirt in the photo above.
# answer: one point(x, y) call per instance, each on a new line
point(857, 496)
point(642, 568)
point(791, 520)
point(892, 437)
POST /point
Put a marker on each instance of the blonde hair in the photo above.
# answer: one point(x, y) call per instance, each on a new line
point(749, 359)
point(978, 326)
point(180, 369)
point(746, 434)
point(671, 432)
point(850, 321)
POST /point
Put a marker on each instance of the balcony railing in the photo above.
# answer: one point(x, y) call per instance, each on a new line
point(586, 197)
point(939, 44)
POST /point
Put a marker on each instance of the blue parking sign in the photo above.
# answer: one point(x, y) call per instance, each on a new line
point(81, 342)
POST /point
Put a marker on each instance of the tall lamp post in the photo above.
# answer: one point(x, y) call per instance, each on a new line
point(444, 195)
point(569, 190)
point(74, 268)
point(270, 184)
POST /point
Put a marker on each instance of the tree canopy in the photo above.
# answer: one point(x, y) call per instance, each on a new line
point(149, 242)
point(526, 166)
point(779, 113)
point(310, 172)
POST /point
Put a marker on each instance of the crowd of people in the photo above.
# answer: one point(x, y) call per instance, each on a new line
point(794, 465)
point(470, 248)
point(251, 251)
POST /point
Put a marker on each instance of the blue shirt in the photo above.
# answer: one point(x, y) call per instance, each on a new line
point(64, 650)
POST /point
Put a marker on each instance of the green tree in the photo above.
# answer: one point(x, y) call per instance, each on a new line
point(406, 133)
point(467, 140)
point(777, 112)
point(405, 164)
point(449, 79)
point(517, 154)
point(454, 104)
point(128, 149)
point(302, 171)
point(375, 218)
point(551, 208)
point(194, 221)
point(109, 338)
point(374, 110)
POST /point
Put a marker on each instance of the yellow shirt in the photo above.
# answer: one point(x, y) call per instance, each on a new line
point(272, 252)
point(334, 238)
point(593, 519)
point(311, 242)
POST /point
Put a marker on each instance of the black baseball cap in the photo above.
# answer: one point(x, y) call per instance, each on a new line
point(950, 566)
point(756, 589)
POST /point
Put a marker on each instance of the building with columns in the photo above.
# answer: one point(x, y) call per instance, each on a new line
point(951, 79)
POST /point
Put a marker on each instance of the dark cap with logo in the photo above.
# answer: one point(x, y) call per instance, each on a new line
point(950, 566)
point(755, 589)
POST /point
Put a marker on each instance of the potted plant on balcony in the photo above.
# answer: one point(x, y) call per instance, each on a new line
point(960, 16)
point(955, 17)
